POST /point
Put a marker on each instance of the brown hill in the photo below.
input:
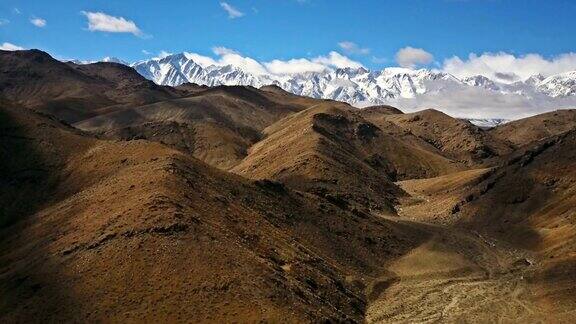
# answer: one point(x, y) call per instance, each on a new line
point(73, 92)
point(95, 230)
point(136, 231)
point(378, 111)
point(534, 189)
point(329, 149)
point(456, 139)
point(527, 130)
point(530, 201)
point(503, 242)
point(216, 125)
point(191, 88)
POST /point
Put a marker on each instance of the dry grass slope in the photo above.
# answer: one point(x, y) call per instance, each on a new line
point(456, 139)
point(136, 231)
point(528, 130)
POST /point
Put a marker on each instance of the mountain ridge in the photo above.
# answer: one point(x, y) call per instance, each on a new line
point(356, 86)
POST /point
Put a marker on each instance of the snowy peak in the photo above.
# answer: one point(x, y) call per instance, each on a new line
point(559, 85)
point(487, 122)
point(114, 60)
point(352, 85)
point(535, 79)
point(481, 81)
point(107, 59)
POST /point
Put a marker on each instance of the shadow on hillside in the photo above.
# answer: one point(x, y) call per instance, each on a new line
point(27, 182)
point(502, 207)
point(555, 287)
point(26, 179)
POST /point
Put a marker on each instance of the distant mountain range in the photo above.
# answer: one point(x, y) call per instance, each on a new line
point(357, 86)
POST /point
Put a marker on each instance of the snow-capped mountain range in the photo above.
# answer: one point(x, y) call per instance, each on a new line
point(484, 101)
point(487, 122)
point(106, 59)
point(353, 85)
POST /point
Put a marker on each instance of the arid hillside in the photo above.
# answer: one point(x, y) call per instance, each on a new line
point(527, 130)
point(530, 198)
point(124, 201)
point(329, 149)
point(136, 231)
point(73, 92)
point(216, 125)
point(456, 139)
point(522, 210)
point(531, 203)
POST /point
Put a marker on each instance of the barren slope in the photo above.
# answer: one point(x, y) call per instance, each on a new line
point(135, 231)
point(455, 138)
point(329, 149)
point(531, 202)
point(505, 249)
point(216, 125)
point(527, 130)
point(73, 92)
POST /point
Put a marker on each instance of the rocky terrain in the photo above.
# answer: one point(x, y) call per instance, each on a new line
point(125, 201)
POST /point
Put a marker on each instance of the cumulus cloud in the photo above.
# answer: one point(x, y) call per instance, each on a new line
point(10, 47)
point(317, 64)
point(99, 21)
point(476, 102)
point(500, 66)
point(411, 57)
point(220, 50)
point(163, 54)
point(335, 59)
point(294, 66)
point(232, 12)
point(247, 64)
point(38, 22)
point(227, 56)
point(353, 48)
point(204, 61)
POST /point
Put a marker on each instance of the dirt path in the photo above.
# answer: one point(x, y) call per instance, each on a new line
point(456, 276)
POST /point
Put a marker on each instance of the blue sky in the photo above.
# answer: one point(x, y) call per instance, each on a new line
point(369, 32)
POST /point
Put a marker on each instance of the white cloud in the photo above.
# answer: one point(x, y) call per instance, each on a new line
point(99, 21)
point(411, 57)
point(145, 52)
point(16, 11)
point(227, 56)
point(38, 22)
point(220, 50)
point(245, 63)
point(335, 59)
point(353, 48)
point(232, 12)
point(477, 102)
point(4, 21)
point(10, 47)
point(163, 54)
point(204, 61)
point(506, 67)
point(294, 66)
